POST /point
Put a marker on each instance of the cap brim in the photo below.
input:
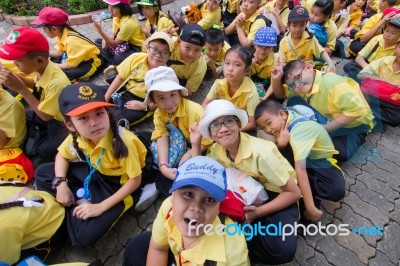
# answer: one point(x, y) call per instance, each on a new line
point(165, 85)
point(145, 4)
point(206, 121)
point(265, 45)
point(111, 3)
point(159, 36)
point(37, 23)
point(87, 107)
point(299, 19)
point(9, 53)
point(214, 191)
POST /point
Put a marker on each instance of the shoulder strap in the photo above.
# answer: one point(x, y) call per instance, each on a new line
point(373, 50)
point(292, 48)
point(267, 21)
point(338, 18)
point(298, 120)
point(283, 9)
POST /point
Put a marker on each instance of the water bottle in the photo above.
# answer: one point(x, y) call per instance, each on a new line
point(102, 16)
point(64, 58)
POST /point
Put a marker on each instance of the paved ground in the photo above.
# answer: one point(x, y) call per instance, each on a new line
point(372, 199)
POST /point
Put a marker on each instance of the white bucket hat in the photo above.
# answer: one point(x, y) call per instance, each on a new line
point(218, 108)
point(162, 79)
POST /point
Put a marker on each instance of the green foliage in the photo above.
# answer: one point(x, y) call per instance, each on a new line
point(32, 7)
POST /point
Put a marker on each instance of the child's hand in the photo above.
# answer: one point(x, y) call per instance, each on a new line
point(145, 30)
point(11, 80)
point(97, 25)
point(171, 30)
point(284, 136)
point(64, 195)
point(251, 213)
point(195, 136)
point(168, 172)
point(240, 20)
point(135, 105)
point(87, 210)
point(313, 215)
point(388, 16)
point(330, 68)
point(277, 71)
point(274, 11)
point(210, 62)
point(255, 58)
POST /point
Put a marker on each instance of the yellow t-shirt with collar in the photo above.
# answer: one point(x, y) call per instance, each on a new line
point(225, 250)
point(12, 119)
point(210, 18)
point(127, 168)
point(192, 72)
point(258, 158)
point(305, 50)
point(252, 25)
point(184, 117)
point(245, 98)
point(77, 49)
point(53, 80)
point(264, 69)
point(136, 63)
point(331, 29)
point(342, 21)
point(333, 95)
point(379, 52)
point(221, 56)
point(309, 139)
point(163, 23)
point(129, 30)
point(371, 22)
point(355, 19)
point(383, 69)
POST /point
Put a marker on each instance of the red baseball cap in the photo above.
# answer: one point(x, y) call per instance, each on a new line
point(390, 10)
point(21, 41)
point(50, 16)
point(116, 2)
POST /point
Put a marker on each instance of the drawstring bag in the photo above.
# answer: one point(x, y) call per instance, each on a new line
point(177, 146)
point(381, 90)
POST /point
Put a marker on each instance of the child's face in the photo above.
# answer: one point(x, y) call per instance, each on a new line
point(115, 11)
point(92, 125)
point(156, 59)
point(149, 11)
point(358, 4)
point(382, 5)
point(279, 4)
point(211, 5)
point(297, 28)
point(195, 206)
point(391, 34)
point(50, 31)
point(214, 50)
point(317, 16)
point(27, 64)
point(262, 52)
point(338, 5)
point(189, 52)
point(271, 123)
point(249, 7)
point(167, 101)
point(234, 67)
point(228, 134)
point(301, 79)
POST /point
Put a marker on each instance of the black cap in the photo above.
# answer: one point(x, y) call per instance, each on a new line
point(190, 31)
point(298, 13)
point(76, 99)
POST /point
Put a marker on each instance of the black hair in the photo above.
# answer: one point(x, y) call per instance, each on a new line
point(17, 203)
point(151, 96)
point(124, 9)
point(290, 67)
point(244, 53)
point(310, 34)
point(391, 3)
point(215, 36)
point(270, 105)
point(119, 147)
point(326, 7)
point(348, 2)
point(36, 54)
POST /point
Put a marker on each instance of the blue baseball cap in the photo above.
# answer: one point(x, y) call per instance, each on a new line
point(266, 36)
point(202, 172)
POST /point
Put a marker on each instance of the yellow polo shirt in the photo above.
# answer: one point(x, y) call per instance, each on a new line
point(221, 56)
point(25, 228)
point(309, 139)
point(379, 52)
point(369, 24)
point(342, 21)
point(252, 25)
point(12, 119)
point(308, 4)
point(333, 95)
point(136, 63)
point(77, 49)
point(53, 81)
point(305, 50)
point(128, 167)
point(225, 249)
point(163, 22)
point(245, 98)
point(210, 18)
point(129, 30)
point(230, 6)
point(259, 159)
point(264, 69)
point(383, 69)
point(331, 29)
point(192, 72)
point(355, 19)
point(184, 117)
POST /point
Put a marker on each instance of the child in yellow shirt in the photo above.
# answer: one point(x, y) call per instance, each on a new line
point(156, 20)
point(216, 48)
point(210, 12)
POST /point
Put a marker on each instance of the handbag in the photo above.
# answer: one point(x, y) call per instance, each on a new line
point(119, 49)
point(381, 90)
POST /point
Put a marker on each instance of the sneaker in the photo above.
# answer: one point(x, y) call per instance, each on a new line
point(110, 71)
point(141, 17)
point(149, 195)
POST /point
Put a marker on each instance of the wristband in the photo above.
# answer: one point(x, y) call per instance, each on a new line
point(163, 163)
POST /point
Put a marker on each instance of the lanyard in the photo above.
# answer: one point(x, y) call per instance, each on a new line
point(84, 192)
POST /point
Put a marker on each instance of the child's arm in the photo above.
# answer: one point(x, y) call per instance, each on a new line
point(64, 194)
point(313, 213)
point(113, 87)
point(276, 83)
point(205, 103)
point(211, 63)
point(109, 39)
point(268, 93)
point(289, 195)
point(232, 27)
point(371, 33)
point(195, 140)
point(331, 65)
point(162, 150)
point(339, 122)
point(242, 35)
point(3, 139)
point(361, 61)
point(281, 25)
point(364, 75)
point(55, 54)
point(88, 210)
point(157, 254)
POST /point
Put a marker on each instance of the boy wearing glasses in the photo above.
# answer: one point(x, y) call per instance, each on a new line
point(131, 74)
point(338, 99)
point(222, 122)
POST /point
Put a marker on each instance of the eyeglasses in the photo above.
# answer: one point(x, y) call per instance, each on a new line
point(154, 51)
point(296, 80)
point(228, 122)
